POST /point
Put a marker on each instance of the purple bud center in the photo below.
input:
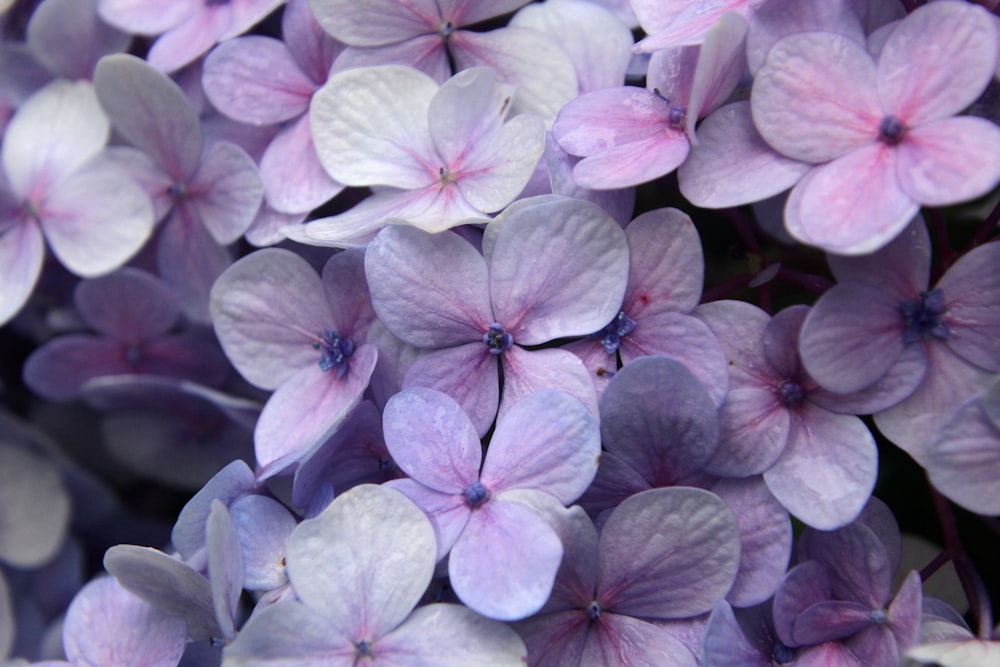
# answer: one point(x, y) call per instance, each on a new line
point(594, 610)
point(791, 393)
point(922, 317)
point(133, 354)
point(781, 654)
point(363, 649)
point(879, 617)
point(891, 130)
point(497, 338)
point(476, 494)
point(677, 115)
point(611, 335)
point(177, 190)
point(334, 351)
point(447, 30)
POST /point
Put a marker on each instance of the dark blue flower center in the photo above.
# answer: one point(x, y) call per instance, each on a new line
point(594, 610)
point(363, 649)
point(476, 494)
point(891, 130)
point(447, 30)
point(497, 338)
point(177, 190)
point(612, 334)
point(335, 351)
point(922, 317)
point(781, 654)
point(879, 617)
point(677, 115)
point(791, 393)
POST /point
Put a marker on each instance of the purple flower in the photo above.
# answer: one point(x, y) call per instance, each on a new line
point(133, 313)
point(503, 555)
point(672, 23)
point(478, 316)
point(662, 554)
point(884, 321)
point(359, 569)
point(438, 155)
point(880, 132)
point(209, 194)
point(666, 271)
point(189, 27)
point(261, 80)
point(93, 218)
point(285, 329)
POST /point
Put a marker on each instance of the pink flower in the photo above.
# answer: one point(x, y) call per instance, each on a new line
point(880, 132)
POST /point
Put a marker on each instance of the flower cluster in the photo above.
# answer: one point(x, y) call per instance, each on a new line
point(560, 333)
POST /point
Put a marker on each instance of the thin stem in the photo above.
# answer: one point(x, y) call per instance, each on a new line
point(988, 226)
point(972, 583)
point(939, 561)
point(744, 227)
point(724, 289)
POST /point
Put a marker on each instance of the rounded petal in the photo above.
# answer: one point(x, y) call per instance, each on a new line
point(418, 302)
point(972, 293)
point(504, 564)
point(307, 408)
point(370, 127)
point(827, 472)
point(578, 286)
point(263, 526)
point(666, 263)
point(667, 553)
point(22, 251)
point(963, 459)
point(431, 438)
point(69, 38)
point(268, 309)
point(937, 61)
point(754, 429)
point(229, 192)
point(815, 98)
point(547, 441)
point(294, 180)
point(635, 642)
point(254, 79)
point(364, 561)
point(34, 510)
point(526, 371)
point(447, 512)
point(852, 205)
point(107, 624)
point(130, 305)
point(151, 112)
point(376, 23)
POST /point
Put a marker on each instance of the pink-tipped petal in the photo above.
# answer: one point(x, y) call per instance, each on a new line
point(293, 178)
point(814, 99)
point(378, 22)
point(226, 192)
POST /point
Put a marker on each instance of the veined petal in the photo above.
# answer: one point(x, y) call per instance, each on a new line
point(621, 639)
point(268, 309)
point(831, 494)
point(634, 163)
point(721, 64)
point(815, 99)
point(504, 564)
point(527, 371)
point(972, 293)
point(778, 18)
point(294, 180)
point(22, 250)
point(495, 171)
point(364, 561)
point(578, 287)
point(541, 71)
point(432, 439)
point(937, 61)
point(949, 161)
point(95, 220)
point(146, 17)
point(447, 512)
point(289, 634)
point(52, 134)
point(307, 408)
point(666, 264)
point(732, 165)
point(468, 373)
point(68, 37)
point(370, 127)
point(418, 302)
point(667, 553)
point(852, 205)
point(226, 192)
point(425, 53)
point(190, 39)
point(450, 635)
point(254, 79)
point(151, 112)
point(754, 430)
point(546, 441)
point(377, 22)
point(130, 304)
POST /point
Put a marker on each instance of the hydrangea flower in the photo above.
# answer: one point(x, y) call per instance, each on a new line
point(503, 556)
point(209, 193)
point(133, 314)
point(662, 554)
point(93, 218)
point(880, 132)
point(437, 155)
point(883, 319)
point(186, 28)
point(288, 330)
point(359, 569)
point(673, 23)
point(478, 317)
